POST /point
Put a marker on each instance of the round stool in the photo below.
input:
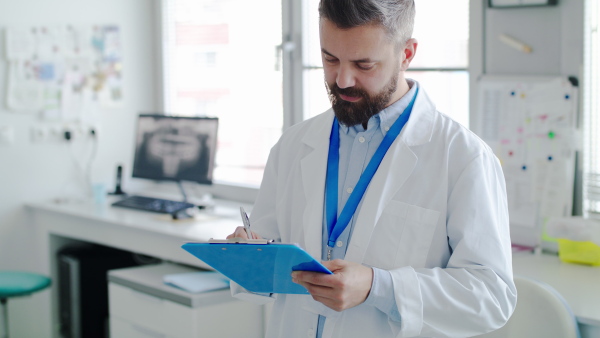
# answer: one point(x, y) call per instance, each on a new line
point(15, 284)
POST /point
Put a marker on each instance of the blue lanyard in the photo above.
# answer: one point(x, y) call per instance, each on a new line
point(335, 226)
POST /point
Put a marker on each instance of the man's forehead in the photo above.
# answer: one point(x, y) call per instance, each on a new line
point(362, 42)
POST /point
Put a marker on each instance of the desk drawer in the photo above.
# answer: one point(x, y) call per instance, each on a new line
point(119, 328)
point(159, 315)
point(151, 315)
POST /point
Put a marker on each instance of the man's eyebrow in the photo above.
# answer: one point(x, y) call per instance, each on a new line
point(364, 60)
point(326, 52)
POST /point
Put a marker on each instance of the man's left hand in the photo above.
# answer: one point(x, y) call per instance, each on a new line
point(348, 287)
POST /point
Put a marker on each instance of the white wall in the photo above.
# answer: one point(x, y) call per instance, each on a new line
point(555, 34)
point(35, 172)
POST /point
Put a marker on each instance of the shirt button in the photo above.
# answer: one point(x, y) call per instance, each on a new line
point(311, 333)
point(361, 139)
point(349, 190)
point(387, 128)
point(339, 244)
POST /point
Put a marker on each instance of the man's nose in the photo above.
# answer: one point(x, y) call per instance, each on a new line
point(345, 77)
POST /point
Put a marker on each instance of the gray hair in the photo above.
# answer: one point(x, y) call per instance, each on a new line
point(396, 16)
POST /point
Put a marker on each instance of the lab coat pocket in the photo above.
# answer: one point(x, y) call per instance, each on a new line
point(401, 237)
point(383, 245)
point(417, 236)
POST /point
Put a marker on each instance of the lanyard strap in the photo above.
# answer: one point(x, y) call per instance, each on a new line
point(335, 226)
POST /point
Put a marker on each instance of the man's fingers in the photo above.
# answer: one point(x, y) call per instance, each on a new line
point(320, 291)
point(328, 296)
point(239, 232)
point(316, 278)
point(335, 264)
point(349, 286)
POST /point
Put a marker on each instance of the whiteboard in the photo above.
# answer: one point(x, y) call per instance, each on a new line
point(530, 123)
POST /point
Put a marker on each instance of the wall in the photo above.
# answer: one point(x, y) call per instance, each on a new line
point(41, 171)
point(555, 34)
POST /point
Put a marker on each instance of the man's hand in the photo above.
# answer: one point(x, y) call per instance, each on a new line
point(348, 287)
point(241, 232)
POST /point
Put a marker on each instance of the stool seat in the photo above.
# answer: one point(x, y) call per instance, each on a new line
point(19, 283)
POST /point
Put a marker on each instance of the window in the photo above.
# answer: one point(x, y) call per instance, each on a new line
point(220, 60)
point(261, 72)
point(440, 64)
point(591, 111)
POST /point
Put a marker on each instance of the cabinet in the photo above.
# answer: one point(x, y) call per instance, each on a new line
point(141, 305)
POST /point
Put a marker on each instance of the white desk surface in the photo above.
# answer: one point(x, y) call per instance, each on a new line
point(578, 284)
point(136, 231)
point(159, 236)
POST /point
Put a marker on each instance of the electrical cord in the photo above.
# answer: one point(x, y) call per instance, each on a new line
point(84, 170)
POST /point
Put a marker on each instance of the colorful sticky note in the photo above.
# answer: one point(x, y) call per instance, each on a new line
point(46, 71)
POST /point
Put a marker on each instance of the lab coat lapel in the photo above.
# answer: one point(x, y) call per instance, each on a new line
point(313, 168)
point(394, 170)
point(396, 167)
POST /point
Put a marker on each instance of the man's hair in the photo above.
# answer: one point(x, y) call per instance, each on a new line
point(396, 16)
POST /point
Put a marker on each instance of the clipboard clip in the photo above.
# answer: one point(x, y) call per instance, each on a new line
point(240, 240)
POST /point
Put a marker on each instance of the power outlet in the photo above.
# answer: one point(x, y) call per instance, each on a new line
point(55, 133)
point(39, 134)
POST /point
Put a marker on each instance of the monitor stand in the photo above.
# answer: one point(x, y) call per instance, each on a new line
point(185, 199)
point(183, 214)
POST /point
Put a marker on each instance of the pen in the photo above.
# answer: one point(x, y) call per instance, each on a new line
point(514, 43)
point(246, 221)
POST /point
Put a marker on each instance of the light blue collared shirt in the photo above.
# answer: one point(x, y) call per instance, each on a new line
point(357, 147)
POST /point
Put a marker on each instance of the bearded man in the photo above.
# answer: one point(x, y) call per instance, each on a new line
point(404, 205)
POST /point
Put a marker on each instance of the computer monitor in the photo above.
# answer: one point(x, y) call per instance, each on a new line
point(175, 148)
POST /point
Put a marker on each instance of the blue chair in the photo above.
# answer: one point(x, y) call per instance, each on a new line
point(15, 284)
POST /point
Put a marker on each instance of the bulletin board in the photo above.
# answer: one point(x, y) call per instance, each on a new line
point(530, 123)
point(58, 70)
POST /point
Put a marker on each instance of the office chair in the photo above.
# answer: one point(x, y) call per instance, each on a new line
point(15, 284)
point(541, 312)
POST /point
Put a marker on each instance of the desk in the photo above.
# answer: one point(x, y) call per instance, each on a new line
point(578, 284)
point(156, 235)
point(136, 231)
point(60, 224)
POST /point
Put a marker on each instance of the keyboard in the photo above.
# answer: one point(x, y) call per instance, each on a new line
point(152, 204)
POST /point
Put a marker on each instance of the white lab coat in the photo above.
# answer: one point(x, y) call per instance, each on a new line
point(435, 215)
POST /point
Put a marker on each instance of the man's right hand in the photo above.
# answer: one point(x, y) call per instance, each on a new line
point(241, 232)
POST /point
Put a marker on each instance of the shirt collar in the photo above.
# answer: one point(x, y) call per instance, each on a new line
point(386, 118)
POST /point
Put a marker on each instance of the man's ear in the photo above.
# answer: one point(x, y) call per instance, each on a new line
point(409, 51)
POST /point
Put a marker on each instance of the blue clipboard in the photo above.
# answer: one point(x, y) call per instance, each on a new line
point(259, 266)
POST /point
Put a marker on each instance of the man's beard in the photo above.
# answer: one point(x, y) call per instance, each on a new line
point(353, 113)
